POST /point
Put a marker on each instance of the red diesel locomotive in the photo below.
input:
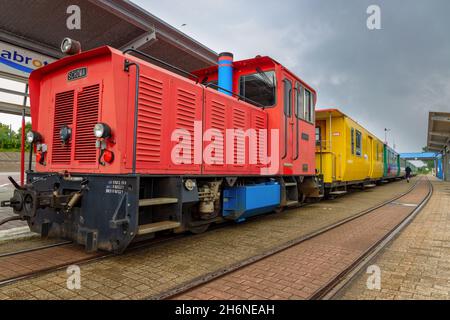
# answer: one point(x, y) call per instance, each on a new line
point(126, 148)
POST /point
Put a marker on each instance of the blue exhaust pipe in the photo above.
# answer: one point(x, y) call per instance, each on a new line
point(226, 73)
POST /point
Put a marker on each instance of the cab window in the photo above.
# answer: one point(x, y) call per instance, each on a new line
point(308, 106)
point(259, 87)
point(358, 143)
point(287, 97)
point(299, 104)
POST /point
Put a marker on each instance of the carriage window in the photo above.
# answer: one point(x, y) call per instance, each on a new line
point(299, 104)
point(353, 140)
point(287, 98)
point(318, 136)
point(259, 87)
point(358, 143)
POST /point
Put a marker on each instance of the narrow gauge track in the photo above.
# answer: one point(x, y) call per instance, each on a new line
point(329, 289)
point(29, 263)
point(332, 289)
point(33, 262)
point(12, 253)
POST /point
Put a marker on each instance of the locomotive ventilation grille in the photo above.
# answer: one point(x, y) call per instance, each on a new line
point(87, 116)
point(64, 102)
point(79, 112)
point(186, 103)
point(149, 120)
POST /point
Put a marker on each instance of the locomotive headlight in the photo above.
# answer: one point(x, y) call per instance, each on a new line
point(70, 46)
point(102, 130)
point(33, 137)
point(65, 134)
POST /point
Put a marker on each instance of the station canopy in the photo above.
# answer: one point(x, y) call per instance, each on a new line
point(40, 26)
point(419, 156)
point(438, 131)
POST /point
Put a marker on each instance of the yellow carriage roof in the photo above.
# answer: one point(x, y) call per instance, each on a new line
point(324, 114)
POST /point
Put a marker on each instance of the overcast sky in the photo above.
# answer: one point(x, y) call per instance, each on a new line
point(388, 78)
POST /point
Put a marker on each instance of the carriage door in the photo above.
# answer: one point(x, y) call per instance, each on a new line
point(288, 152)
point(370, 155)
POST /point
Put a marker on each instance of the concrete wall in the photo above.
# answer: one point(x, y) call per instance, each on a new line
point(10, 161)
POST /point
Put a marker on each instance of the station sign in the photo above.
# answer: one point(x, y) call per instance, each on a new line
point(20, 62)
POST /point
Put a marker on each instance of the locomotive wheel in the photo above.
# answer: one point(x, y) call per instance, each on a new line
point(199, 229)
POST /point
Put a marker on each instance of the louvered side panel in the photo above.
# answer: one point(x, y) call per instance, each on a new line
point(63, 116)
point(186, 105)
point(218, 123)
point(88, 101)
point(240, 126)
point(259, 123)
point(149, 120)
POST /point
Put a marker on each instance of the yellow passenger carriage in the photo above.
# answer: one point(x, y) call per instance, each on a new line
point(346, 153)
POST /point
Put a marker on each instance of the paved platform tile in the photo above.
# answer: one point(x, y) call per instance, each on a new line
point(416, 265)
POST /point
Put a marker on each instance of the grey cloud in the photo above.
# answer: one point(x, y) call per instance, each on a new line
point(385, 78)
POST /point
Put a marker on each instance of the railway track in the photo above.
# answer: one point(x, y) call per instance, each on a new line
point(328, 289)
point(31, 249)
point(339, 283)
point(33, 262)
point(23, 264)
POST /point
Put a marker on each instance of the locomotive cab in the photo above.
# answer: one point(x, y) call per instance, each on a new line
point(286, 99)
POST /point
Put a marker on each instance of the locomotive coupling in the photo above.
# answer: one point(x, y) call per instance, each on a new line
point(27, 200)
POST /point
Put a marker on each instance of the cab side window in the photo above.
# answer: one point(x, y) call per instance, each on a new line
point(358, 143)
point(308, 105)
point(288, 98)
point(299, 104)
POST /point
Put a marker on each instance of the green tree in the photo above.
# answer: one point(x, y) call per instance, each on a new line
point(10, 140)
point(430, 163)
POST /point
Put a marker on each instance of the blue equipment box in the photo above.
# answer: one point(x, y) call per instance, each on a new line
point(242, 202)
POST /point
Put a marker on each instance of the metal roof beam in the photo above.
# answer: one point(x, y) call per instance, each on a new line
point(15, 109)
point(29, 44)
point(16, 93)
point(440, 118)
point(185, 47)
point(141, 42)
point(437, 143)
point(439, 134)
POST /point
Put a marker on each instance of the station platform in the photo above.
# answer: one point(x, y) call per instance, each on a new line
point(13, 229)
point(416, 264)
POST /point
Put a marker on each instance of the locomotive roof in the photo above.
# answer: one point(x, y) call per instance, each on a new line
point(256, 61)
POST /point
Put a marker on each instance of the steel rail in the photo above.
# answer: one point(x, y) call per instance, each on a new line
point(189, 285)
point(344, 279)
point(9, 254)
point(101, 255)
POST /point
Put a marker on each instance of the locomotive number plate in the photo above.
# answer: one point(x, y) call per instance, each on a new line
point(77, 74)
